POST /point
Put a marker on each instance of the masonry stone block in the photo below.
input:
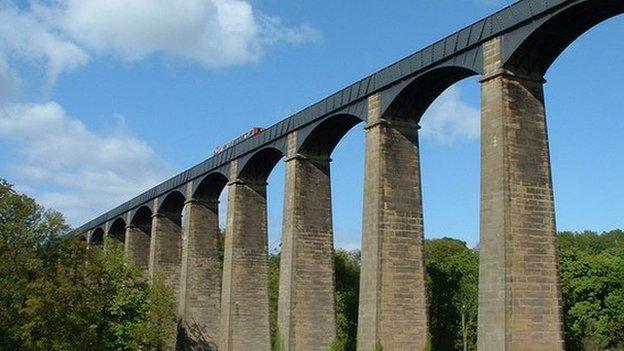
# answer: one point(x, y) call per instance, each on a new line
point(137, 246)
point(393, 303)
point(166, 250)
point(200, 280)
point(519, 293)
point(306, 317)
point(245, 297)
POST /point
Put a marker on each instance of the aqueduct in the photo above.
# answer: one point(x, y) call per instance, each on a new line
point(519, 297)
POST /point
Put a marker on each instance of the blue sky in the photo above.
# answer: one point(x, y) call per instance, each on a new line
point(100, 101)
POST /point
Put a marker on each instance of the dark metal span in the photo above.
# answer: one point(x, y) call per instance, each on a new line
point(534, 31)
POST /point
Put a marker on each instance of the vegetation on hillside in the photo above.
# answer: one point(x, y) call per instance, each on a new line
point(58, 293)
point(592, 285)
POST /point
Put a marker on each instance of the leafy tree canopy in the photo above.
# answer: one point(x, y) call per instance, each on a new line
point(58, 293)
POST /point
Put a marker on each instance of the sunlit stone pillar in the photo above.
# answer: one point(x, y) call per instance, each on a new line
point(306, 294)
point(166, 250)
point(245, 295)
point(137, 246)
point(201, 272)
point(519, 296)
point(393, 306)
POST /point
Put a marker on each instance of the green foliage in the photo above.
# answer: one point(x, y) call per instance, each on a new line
point(274, 266)
point(452, 285)
point(277, 342)
point(592, 284)
point(157, 328)
point(58, 293)
point(378, 346)
point(26, 229)
point(592, 242)
point(428, 344)
point(347, 275)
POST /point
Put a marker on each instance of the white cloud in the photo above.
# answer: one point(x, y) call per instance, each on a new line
point(23, 36)
point(213, 32)
point(62, 35)
point(450, 119)
point(72, 169)
point(60, 161)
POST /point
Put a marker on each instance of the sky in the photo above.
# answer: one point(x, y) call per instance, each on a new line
point(103, 99)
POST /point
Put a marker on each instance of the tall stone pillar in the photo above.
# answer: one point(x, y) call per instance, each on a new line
point(245, 295)
point(519, 295)
point(166, 250)
point(200, 286)
point(137, 246)
point(306, 317)
point(393, 306)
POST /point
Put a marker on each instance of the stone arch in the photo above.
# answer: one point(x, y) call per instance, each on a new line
point(117, 230)
point(210, 187)
point(536, 51)
point(138, 236)
point(142, 219)
point(323, 139)
point(172, 206)
point(97, 236)
point(259, 166)
point(411, 102)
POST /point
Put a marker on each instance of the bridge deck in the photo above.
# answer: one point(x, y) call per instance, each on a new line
point(465, 39)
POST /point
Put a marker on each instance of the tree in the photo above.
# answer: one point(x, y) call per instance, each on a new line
point(25, 230)
point(592, 284)
point(59, 293)
point(157, 328)
point(274, 271)
point(452, 285)
point(347, 275)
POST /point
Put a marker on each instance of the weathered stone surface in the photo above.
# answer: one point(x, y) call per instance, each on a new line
point(393, 306)
point(201, 272)
point(166, 250)
point(245, 296)
point(137, 246)
point(306, 299)
point(519, 295)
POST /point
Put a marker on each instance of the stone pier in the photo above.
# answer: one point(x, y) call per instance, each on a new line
point(245, 296)
point(393, 304)
point(201, 274)
point(306, 295)
point(519, 294)
point(137, 246)
point(166, 250)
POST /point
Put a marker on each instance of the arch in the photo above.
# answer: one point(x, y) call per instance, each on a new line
point(210, 188)
point(142, 219)
point(97, 236)
point(172, 206)
point(412, 101)
point(117, 230)
point(325, 136)
point(537, 51)
point(259, 166)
